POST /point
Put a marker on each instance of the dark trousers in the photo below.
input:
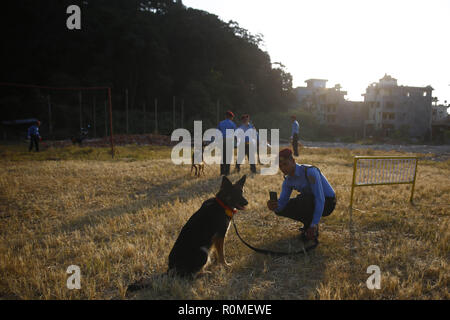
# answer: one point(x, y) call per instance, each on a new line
point(224, 167)
point(295, 144)
point(301, 208)
point(34, 139)
point(247, 154)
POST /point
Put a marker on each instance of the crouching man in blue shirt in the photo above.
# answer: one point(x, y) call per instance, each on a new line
point(317, 198)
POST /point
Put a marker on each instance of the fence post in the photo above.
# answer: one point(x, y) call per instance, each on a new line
point(182, 113)
point(218, 107)
point(156, 115)
point(414, 183)
point(106, 117)
point(173, 120)
point(110, 123)
point(50, 128)
point(81, 110)
point(145, 115)
point(93, 116)
point(126, 109)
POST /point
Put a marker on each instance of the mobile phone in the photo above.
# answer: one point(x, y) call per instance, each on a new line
point(273, 196)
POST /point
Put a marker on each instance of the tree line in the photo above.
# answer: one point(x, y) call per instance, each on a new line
point(154, 49)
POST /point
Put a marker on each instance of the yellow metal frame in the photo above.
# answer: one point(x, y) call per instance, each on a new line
point(355, 160)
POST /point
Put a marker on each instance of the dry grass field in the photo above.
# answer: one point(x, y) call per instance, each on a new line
point(118, 219)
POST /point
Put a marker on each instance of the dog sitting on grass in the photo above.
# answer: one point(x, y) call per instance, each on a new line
point(207, 228)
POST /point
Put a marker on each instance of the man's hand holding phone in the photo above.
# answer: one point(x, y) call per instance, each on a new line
point(272, 204)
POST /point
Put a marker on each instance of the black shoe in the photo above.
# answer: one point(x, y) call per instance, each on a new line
point(310, 244)
point(303, 235)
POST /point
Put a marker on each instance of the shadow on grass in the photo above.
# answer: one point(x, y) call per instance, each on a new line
point(293, 276)
point(260, 277)
point(155, 196)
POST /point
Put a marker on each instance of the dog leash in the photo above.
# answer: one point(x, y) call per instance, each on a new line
point(278, 253)
point(230, 212)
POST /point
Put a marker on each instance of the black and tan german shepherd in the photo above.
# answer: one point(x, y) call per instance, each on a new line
point(206, 228)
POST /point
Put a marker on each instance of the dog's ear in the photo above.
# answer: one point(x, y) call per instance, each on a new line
point(226, 184)
point(241, 182)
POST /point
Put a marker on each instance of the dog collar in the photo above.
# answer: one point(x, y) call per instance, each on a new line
point(228, 210)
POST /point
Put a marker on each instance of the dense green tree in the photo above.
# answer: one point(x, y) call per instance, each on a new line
point(153, 49)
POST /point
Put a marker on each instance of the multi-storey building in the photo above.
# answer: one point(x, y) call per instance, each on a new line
point(329, 106)
point(387, 107)
point(393, 107)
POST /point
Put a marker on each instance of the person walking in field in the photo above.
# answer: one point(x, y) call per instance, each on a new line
point(223, 126)
point(295, 134)
point(34, 136)
point(317, 198)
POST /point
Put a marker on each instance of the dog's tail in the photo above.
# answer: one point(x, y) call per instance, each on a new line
point(150, 281)
point(138, 285)
point(144, 283)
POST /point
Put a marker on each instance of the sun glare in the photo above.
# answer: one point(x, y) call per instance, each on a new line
point(351, 42)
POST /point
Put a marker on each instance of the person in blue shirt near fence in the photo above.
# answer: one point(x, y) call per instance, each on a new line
point(295, 135)
point(33, 136)
point(317, 198)
point(223, 126)
point(246, 125)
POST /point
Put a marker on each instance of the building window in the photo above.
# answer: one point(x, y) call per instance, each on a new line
point(388, 115)
point(424, 93)
point(389, 105)
point(408, 94)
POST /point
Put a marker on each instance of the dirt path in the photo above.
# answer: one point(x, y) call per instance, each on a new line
point(438, 153)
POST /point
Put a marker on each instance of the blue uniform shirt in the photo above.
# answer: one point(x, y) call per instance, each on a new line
point(317, 185)
point(295, 127)
point(245, 128)
point(33, 130)
point(226, 124)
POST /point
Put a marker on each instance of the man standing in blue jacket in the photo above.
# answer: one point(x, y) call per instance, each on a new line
point(317, 198)
point(223, 126)
point(295, 135)
point(33, 135)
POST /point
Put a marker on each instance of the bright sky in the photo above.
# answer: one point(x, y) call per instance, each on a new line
point(351, 42)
